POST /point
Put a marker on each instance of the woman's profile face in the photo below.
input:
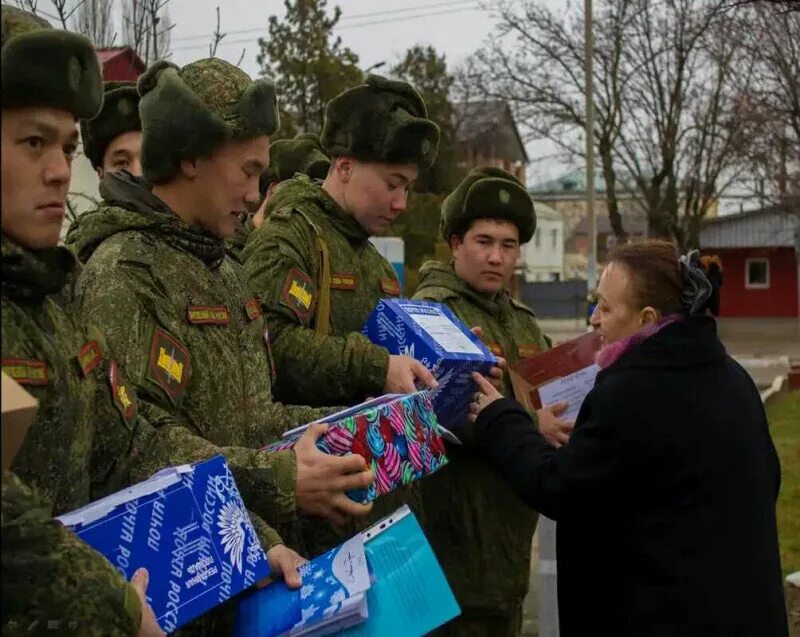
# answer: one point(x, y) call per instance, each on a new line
point(616, 316)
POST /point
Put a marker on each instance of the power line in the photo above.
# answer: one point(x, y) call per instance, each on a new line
point(344, 18)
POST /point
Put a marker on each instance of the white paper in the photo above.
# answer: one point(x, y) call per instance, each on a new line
point(571, 389)
point(446, 333)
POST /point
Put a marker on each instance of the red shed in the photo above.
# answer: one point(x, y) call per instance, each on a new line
point(759, 252)
point(120, 64)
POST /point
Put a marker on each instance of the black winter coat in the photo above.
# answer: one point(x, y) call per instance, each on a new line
point(664, 496)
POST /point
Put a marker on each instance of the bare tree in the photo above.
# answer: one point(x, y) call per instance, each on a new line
point(95, 20)
point(146, 28)
point(65, 9)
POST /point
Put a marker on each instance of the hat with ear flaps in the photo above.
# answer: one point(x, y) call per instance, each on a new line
point(42, 66)
point(303, 154)
point(120, 114)
point(381, 120)
point(189, 112)
point(488, 193)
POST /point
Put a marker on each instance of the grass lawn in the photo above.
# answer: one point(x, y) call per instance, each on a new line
point(783, 412)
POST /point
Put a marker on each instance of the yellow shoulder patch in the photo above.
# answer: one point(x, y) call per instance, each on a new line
point(299, 293)
point(170, 365)
point(122, 394)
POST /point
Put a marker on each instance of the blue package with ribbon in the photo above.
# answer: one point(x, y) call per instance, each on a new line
point(189, 528)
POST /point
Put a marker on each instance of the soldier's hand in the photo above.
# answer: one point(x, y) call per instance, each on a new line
point(283, 562)
point(555, 430)
point(149, 626)
point(323, 480)
point(402, 374)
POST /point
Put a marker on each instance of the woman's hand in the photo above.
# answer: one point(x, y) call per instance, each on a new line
point(283, 562)
point(484, 397)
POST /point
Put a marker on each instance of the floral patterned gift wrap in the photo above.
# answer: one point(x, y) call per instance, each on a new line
point(397, 434)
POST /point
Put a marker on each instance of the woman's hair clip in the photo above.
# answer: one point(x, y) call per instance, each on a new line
point(697, 289)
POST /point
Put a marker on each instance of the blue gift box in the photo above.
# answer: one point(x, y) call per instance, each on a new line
point(431, 333)
point(189, 527)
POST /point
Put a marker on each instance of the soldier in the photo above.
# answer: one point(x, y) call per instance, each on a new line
point(51, 579)
point(176, 307)
point(303, 154)
point(480, 530)
point(312, 263)
point(113, 139)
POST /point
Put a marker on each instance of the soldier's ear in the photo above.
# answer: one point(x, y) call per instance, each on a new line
point(189, 167)
point(344, 168)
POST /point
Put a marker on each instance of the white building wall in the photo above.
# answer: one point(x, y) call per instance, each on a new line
point(83, 191)
point(543, 256)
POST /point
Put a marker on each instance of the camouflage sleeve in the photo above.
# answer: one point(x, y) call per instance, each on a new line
point(282, 268)
point(52, 581)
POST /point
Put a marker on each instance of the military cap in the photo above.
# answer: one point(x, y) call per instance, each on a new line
point(381, 120)
point(488, 193)
point(189, 112)
point(120, 114)
point(303, 154)
point(42, 66)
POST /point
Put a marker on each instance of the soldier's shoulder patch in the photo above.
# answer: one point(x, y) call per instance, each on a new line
point(390, 286)
point(253, 309)
point(170, 365)
point(89, 357)
point(26, 371)
point(207, 314)
point(122, 394)
point(298, 293)
point(342, 281)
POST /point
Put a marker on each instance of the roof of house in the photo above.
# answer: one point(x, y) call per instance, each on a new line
point(111, 53)
point(480, 117)
point(770, 227)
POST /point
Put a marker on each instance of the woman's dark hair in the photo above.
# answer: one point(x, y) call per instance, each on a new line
point(664, 281)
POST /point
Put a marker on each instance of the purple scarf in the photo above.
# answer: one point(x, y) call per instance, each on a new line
point(609, 354)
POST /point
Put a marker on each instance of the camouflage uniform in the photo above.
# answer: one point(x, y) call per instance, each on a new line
point(69, 589)
point(478, 527)
point(319, 276)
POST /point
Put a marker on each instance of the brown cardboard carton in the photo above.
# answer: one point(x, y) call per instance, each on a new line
point(19, 409)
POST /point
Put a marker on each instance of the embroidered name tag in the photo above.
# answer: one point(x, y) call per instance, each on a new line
point(343, 282)
point(26, 371)
point(88, 357)
point(390, 287)
point(121, 394)
point(169, 366)
point(495, 348)
point(207, 315)
point(253, 309)
point(528, 351)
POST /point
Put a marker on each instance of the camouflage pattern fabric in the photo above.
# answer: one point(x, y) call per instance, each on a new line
point(478, 527)
point(53, 583)
point(283, 266)
point(191, 336)
point(236, 242)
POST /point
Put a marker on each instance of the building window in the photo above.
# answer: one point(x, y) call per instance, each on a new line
point(554, 233)
point(756, 275)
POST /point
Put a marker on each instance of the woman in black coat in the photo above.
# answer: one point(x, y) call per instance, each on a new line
point(665, 495)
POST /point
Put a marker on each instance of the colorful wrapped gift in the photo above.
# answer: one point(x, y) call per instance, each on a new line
point(397, 434)
point(188, 526)
point(431, 333)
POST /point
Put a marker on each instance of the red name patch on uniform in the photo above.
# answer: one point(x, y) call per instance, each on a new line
point(343, 282)
point(89, 357)
point(26, 371)
point(123, 396)
point(495, 348)
point(170, 365)
point(529, 351)
point(207, 315)
point(253, 309)
point(390, 287)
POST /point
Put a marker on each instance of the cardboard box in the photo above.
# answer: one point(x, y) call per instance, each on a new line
point(188, 526)
point(19, 410)
point(430, 333)
point(397, 434)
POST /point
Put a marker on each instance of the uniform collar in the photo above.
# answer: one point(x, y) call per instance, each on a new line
point(31, 275)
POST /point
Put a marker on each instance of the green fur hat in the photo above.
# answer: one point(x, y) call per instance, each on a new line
point(189, 112)
point(488, 193)
point(45, 67)
point(303, 154)
point(120, 114)
point(382, 120)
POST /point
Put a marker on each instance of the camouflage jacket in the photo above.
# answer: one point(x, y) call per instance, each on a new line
point(87, 424)
point(236, 242)
point(322, 362)
point(191, 336)
point(53, 583)
point(480, 530)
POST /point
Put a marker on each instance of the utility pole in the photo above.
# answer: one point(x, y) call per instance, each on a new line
point(588, 54)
